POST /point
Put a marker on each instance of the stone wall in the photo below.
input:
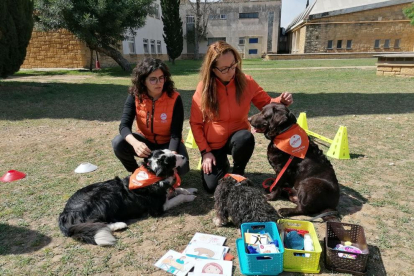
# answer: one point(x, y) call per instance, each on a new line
point(61, 49)
point(396, 70)
point(318, 56)
point(58, 49)
point(363, 28)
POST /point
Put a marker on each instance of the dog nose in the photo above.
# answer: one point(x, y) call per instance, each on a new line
point(249, 119)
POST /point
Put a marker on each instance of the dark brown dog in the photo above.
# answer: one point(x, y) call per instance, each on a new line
point(310, 182)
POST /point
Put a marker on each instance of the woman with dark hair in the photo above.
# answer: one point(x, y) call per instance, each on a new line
point(219, 113)
point(159, 112)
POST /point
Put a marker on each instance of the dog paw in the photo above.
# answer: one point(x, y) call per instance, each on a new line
point(117, 226)
point(217, 221)
point(189, 198)
point(192, 190)
point(284, 212)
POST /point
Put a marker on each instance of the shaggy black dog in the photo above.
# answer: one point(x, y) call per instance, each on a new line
point(94, 211)
point(311, 182)
point(241, 202)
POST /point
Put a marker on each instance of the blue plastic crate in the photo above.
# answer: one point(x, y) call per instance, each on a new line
point(260, 264)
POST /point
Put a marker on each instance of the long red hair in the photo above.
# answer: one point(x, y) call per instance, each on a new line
point(209, 100)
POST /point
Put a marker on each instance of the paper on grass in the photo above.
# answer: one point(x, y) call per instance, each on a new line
point(175, 263)
point(208, 238)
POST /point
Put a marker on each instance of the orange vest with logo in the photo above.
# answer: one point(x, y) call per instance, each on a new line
point(154, 118)
point(294, 141)
point(142, 178)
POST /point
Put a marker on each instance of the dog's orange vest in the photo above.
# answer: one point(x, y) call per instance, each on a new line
point(154, 117)
point(294, 141)
point(237, 177)
point(142, 178)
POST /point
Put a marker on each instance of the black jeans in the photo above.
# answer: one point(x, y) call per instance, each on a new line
point(126, 153)
point(240, 145)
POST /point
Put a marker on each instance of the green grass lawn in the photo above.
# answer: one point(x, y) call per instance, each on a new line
point(51, 121)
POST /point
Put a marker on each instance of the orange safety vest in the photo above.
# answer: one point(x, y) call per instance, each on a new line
point(142, 178)
point(154, 118)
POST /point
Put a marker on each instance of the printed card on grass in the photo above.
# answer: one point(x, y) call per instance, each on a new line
point(213, 267)
point(200, 250)
point(208, 238)
point(175, 263)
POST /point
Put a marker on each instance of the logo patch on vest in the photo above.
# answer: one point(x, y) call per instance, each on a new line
point(163, 117)
point(295, 141)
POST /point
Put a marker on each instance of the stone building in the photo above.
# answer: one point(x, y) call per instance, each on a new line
point(352, 26)
point(252, 27)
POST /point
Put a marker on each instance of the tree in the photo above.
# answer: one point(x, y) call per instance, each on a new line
point(16, 26)
point(100, 24)
point(173, 28)
point(409, 12)
point(202, 12)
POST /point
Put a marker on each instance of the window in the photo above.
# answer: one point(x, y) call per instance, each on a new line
point(330, 44)
point(339, 44)
point(377, 43)
point(241, 40)
point(131, 44)
point(211, 40)
point(217, 16)
point(249, 15)
point(159, 47)
point(253, 40)
point(190, 19)
point(349, 44)
point(146, 49)
point(153, 46)
point(397, 43)
point(252, 51)
point(386, 44)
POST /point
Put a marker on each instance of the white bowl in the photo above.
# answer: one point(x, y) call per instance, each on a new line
point(85, 168)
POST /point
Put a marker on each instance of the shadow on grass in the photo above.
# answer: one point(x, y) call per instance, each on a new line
point(104, 102)
point(20, 240)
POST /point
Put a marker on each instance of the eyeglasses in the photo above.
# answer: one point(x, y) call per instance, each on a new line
point(155, 80)
point(226, 70)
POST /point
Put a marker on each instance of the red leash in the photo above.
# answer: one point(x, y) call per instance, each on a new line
point(278, 176)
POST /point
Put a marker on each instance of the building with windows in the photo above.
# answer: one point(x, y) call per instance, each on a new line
point(252, 27)
point(351, 26)
point(148, 40)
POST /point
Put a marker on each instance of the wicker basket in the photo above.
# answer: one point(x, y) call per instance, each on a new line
point(336, 233)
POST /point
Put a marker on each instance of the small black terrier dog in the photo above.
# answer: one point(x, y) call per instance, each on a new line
point(241, 202)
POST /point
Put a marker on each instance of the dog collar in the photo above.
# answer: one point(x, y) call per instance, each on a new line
point(293, 141)
point(239, 178)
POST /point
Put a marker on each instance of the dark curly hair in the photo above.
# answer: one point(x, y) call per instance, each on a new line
point(141, 72)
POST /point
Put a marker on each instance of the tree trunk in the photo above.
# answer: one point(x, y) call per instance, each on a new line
point(173, 61)
point(115, 55)
point(196, 28)
point(91, 61)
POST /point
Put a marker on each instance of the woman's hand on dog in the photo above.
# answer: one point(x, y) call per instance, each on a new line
point(286, 98)
point(208, 161)
point(141, 149)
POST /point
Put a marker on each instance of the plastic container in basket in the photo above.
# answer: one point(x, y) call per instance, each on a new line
point(296, 260)
point(260, 264)
point(336, 233)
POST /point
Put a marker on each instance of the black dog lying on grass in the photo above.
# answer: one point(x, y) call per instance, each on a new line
point(310, 182)
point(95, 211)
point(241, 202)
